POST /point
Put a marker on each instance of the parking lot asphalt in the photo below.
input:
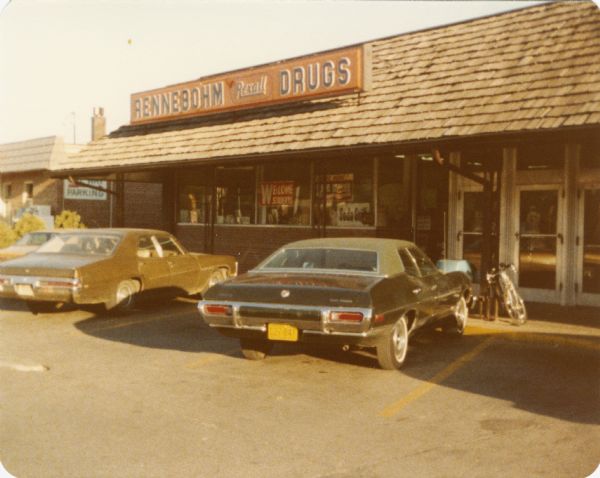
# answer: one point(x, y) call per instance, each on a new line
point(158, 393)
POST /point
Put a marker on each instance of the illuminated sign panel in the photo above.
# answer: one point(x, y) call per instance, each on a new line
point(324, 74)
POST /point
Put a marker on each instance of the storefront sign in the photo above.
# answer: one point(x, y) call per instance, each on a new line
point(80, 192)
point(277, 193)
point(332, 73)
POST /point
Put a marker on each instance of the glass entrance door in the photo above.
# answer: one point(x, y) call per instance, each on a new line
point(588, 241)
point(472, 233)
point(539, 243)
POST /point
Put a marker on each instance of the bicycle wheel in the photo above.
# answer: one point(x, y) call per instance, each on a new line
point(514, 304)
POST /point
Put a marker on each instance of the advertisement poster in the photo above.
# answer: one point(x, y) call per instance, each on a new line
point(277, 193)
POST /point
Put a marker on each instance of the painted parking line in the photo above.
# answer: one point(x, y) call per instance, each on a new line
point(421, 390)
point(557, 339)
point(20, 367)
point(491, 335)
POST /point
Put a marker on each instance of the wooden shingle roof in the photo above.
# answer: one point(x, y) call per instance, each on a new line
point(532, 69)
point(35, 154)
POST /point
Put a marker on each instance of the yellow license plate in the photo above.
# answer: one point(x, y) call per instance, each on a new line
point(284, 332)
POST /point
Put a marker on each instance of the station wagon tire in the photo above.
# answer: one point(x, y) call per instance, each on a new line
point(255, 349)
point(124, 296)
point(461, 317)
point(392, 348)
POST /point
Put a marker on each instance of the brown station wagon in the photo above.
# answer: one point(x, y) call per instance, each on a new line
point(110, 267)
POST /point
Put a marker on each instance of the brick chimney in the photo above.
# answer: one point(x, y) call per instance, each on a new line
point(98, 124)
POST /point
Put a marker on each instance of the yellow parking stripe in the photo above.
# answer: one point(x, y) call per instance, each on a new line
point(418, 392)
point(491, 334)
point(591, 343)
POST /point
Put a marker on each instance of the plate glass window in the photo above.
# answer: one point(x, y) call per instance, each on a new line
point(284, 194)
point(344, 193)
point(194, 196)
point(236, 195)
point(394, 197)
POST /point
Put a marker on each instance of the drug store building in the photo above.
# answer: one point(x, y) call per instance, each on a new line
point(483, 129)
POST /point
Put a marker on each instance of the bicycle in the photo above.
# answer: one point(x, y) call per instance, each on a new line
point(505, 291)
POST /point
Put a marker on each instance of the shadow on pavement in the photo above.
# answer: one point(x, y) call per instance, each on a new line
point(173, 325)
point(552, 374)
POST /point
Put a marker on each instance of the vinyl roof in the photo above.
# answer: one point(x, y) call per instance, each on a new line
point(534, 69)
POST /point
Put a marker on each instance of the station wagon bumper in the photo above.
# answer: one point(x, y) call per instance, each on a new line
point(310, 323)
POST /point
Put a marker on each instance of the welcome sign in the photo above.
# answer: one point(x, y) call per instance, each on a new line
point(277, 193)
point(331, 73)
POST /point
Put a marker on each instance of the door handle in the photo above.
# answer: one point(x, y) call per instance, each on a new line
point(517, 235)
point(458, 235)
point(561, 238)
point(417, 290)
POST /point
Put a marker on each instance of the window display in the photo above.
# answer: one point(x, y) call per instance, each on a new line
point(236, 187)
point(194, 197)
point(345, 192)
point(284, 194)
point(393, 203)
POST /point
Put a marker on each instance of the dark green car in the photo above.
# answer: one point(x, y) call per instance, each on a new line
point(365, 292)
point(110, 267)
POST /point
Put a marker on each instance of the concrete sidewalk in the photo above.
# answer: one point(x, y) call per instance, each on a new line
point(548, 318)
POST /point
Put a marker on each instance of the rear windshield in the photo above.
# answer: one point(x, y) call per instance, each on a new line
point(34, 239)
point(323, 259)
point(86, 244)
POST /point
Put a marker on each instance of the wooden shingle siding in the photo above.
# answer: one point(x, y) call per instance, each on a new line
point(532, 69)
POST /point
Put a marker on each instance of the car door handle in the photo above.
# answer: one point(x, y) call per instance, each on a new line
point(417, 290)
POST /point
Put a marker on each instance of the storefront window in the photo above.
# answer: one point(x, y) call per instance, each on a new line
point(344, 190)
point(284, 194)
point(236, 195)
point(541, 156)
point(393, 196)
point(194, 199)
point(431, 207)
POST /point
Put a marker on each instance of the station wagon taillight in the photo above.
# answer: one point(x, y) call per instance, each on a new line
point(217, 309)
point(346, 316)
point(65, 283)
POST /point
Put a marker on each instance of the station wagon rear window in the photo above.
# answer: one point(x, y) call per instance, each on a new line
point(86, 244)
point(324, 259)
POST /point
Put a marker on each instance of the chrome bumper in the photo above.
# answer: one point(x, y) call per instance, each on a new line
point(319, 324)
point(53, 289)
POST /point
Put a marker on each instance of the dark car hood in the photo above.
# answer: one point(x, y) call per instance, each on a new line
point(304, 289)
point(47, 264)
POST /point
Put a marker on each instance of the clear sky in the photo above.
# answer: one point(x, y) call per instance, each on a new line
point(61, 58)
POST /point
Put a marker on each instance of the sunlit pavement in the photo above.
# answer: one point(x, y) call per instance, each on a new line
point(157, 393)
